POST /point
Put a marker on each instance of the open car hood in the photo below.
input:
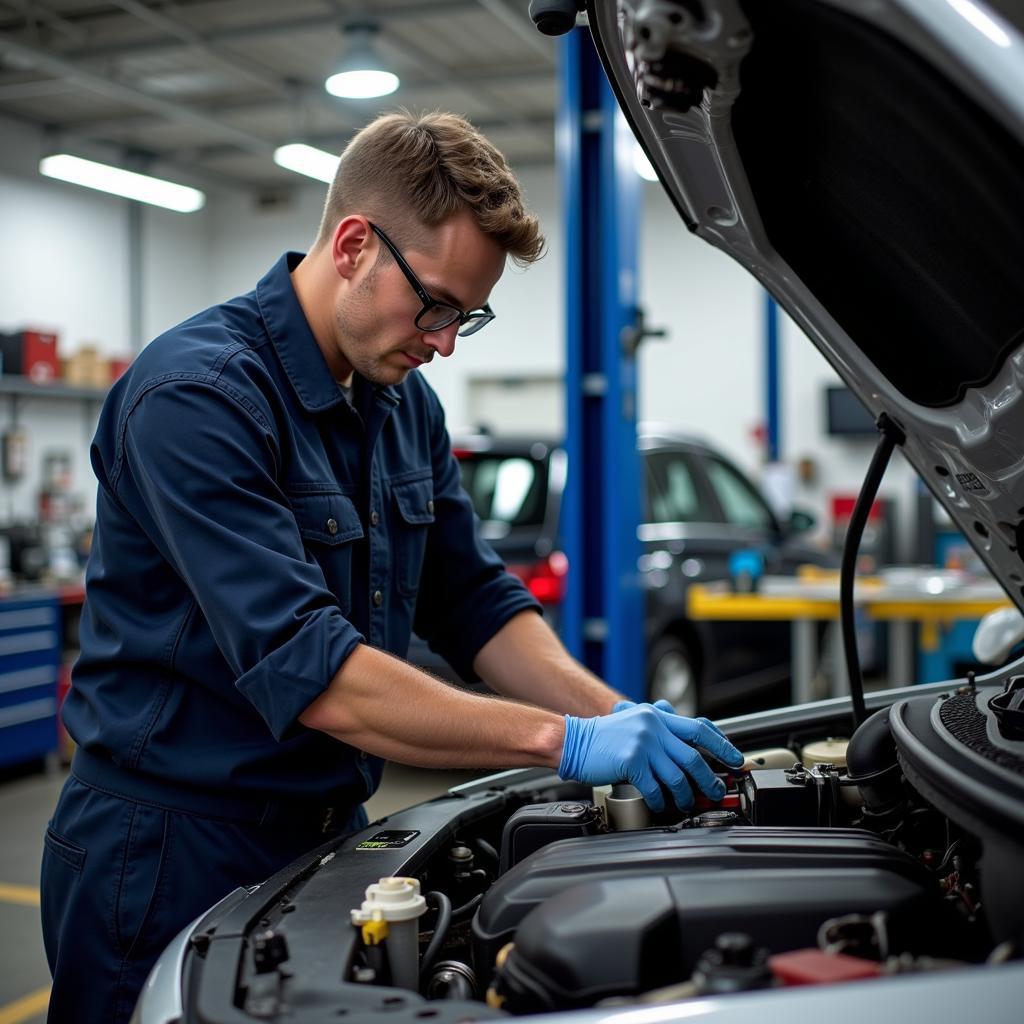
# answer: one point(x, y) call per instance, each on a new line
point(864, 159)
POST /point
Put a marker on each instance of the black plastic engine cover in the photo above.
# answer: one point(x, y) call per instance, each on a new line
point(624, 913)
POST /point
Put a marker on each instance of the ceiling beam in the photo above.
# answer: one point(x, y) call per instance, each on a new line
point(248, 69)
point(61, 67)
point(36, 12)
point(448, 76)
point(34, 90)
point(278, 27)
point(349, 114)
point(543, 124)
point(515, 23)
point(104, 149)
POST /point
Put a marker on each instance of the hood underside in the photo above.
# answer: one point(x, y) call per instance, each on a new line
point(865, 160)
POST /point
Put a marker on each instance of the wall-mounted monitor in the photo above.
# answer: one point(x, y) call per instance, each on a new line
point(845, 416)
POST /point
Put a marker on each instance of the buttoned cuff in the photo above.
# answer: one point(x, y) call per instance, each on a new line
point(293, 675)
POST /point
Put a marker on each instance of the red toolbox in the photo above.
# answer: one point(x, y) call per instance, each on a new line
point(31, 354)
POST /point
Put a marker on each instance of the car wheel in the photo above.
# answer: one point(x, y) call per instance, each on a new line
point(672, 675)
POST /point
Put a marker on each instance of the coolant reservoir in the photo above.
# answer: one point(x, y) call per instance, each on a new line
point(771, 757)
point(830, 751)
point(395, 903)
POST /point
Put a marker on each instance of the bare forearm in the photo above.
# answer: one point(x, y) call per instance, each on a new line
point(526, 661)
point(386, 707)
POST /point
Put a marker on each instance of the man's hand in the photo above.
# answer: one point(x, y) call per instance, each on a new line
point(663, 705)
point(645, 745)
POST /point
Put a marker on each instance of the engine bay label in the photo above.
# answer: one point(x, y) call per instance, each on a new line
point(388, 840)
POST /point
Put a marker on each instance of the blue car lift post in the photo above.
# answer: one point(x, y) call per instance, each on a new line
point(603, 623)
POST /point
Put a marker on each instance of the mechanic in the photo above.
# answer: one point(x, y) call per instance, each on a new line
point(278, 507)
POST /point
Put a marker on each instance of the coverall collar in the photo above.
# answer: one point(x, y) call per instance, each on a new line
point(293, 340)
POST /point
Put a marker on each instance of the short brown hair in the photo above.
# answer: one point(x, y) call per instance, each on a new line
point(413, 171)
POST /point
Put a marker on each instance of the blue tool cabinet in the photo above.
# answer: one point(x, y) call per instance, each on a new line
point(29, 660)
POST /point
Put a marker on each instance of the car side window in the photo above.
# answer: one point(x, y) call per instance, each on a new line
point(673, 493)
point(505, 489)
point(741, 504)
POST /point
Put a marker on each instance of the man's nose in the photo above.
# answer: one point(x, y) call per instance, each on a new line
point(442, 341)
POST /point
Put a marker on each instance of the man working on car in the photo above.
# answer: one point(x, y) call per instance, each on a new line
point(278, 507)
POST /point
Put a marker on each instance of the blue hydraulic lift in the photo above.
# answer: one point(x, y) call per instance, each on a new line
point(773, 386)
point(603, 617)
point(603, 621)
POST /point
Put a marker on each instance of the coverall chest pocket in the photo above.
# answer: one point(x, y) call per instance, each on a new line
point(329, 525)
point(414, 503)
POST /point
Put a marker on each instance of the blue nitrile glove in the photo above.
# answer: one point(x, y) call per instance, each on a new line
point(644, 746)
point(663, 705)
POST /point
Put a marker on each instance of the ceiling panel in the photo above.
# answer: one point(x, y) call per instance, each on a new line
point(222, 81)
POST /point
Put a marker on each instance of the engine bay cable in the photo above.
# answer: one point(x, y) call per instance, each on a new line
point(892, 435)
point(441, 926)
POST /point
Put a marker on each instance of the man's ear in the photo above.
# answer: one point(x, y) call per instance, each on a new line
point(352, 244)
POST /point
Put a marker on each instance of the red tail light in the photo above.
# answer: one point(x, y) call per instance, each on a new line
point(545, 579)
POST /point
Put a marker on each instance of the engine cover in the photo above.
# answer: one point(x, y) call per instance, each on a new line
point(622, 914)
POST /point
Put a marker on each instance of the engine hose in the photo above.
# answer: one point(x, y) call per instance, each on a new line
point(441, 926)
point(468, 907)
point(891, 436)
point(487, 850)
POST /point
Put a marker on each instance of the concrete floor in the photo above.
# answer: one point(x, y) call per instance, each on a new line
point(25, 806)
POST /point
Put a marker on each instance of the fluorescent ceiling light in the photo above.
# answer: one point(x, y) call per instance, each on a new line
point(120, 182)
point(361, 75)
point(643, 166)
point(361, 84)
point(308, 160)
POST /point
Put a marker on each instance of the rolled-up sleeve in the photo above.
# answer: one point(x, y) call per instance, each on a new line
point(199, 470)
point(466, 594)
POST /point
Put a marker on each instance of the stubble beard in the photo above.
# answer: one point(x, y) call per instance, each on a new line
point(357, 331)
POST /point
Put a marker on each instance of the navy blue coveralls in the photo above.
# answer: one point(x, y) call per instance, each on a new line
point(252, 529)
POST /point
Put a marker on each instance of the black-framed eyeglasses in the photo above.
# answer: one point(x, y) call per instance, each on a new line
point(435, 314)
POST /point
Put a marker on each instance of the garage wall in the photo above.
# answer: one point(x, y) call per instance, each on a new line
point(840, 463)
point(64, 265)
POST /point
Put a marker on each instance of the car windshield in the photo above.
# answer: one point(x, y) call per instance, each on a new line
point(507, 489)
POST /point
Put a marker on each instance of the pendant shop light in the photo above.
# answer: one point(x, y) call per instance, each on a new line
point(308, 160)
point(141, 187)
point(361, 75)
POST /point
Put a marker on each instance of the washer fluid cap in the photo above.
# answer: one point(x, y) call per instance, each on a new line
point(830, 751)
point(391, 899)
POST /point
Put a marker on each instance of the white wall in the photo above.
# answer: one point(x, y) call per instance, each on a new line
point(840, 462)
point(705, 378)
point(526, 336)
point(64, 265)
point(62, 268)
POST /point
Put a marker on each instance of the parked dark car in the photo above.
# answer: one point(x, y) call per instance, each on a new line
point(699, 509)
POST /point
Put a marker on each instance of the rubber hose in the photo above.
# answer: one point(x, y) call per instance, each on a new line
point(441, 926)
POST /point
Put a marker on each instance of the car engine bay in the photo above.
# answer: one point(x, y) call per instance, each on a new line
point(895, 853)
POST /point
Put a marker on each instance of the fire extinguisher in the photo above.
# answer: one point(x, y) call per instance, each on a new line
point(14, 454)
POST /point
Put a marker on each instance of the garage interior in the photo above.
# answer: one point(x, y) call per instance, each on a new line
point(737, 463)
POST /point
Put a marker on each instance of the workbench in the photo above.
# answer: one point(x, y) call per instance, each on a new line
point(900, 597)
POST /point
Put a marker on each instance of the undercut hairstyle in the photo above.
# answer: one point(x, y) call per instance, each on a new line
point(411, 172)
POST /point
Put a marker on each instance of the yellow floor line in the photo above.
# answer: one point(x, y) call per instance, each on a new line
point(32, 1005)
point(25, 894)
